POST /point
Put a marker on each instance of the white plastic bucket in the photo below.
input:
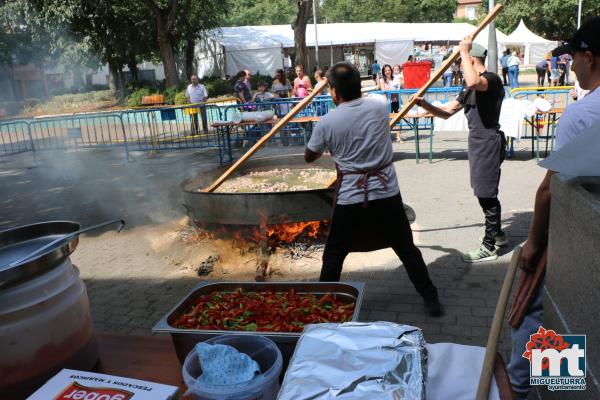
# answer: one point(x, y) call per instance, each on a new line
point(264, 386)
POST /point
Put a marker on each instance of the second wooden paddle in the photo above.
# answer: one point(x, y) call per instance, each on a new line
point(438, 74)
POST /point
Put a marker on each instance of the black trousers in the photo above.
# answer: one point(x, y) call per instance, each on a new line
point(505, 75)
point(492, 211)
point(541, 75)
point(386, 216)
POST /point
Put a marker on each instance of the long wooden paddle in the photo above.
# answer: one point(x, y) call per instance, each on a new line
point(438, 74)
point(485, 379)
point(261, 142)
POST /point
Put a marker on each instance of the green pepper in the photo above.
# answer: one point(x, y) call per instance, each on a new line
point(251, 327)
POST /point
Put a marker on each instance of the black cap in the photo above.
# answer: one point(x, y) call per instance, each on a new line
point(587, 38)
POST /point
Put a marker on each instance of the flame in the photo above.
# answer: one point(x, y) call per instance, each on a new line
point(287, 233)
point(273, 234)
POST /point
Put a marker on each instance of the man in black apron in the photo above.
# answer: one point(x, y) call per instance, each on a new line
point(481, 98)
point(368, 210)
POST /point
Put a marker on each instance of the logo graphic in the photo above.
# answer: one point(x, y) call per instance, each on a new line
point(556, 361)
point(76, 391)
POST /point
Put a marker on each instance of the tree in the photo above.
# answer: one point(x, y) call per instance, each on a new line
point(552, 19)
point(260, 12)
point(204, 15)
point(389, 10)
point(299, 27)
point(181, 21)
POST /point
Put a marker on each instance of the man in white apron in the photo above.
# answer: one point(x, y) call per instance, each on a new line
point(368, 210)
point(481, 98)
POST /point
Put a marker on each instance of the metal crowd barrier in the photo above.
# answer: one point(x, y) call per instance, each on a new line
point(558, 96)
point(169, 127)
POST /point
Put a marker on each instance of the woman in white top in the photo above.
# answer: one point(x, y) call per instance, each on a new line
point(513, 70)
point(387, 83)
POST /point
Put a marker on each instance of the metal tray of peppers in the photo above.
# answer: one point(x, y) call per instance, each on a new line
point(277, 310)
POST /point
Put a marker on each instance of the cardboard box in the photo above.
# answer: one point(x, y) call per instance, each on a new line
point(69, 384)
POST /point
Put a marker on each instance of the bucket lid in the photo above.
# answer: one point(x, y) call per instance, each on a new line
point(16, 243)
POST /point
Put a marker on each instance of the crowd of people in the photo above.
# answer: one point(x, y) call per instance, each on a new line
point(279, 88)
point(556, 68)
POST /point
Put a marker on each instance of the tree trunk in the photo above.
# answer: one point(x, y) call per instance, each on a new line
point(167, 56)
point(122, 83)
point(132, 65)
point(190, 47)
point(299, 26)
point(113, 77)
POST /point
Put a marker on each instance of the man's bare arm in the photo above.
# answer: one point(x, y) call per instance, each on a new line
point(310, 156)
point(472, 79)
point(444, 112)
point(538, 233)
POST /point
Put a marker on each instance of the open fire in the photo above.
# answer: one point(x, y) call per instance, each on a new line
point(271, 235)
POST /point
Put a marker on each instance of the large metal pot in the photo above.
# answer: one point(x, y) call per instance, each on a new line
point(256, 208)
point(45, 320)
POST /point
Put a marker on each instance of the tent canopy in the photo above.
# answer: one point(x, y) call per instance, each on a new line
point(259, 48)
point(522, 35)
point(269, 36)
point(536, 47)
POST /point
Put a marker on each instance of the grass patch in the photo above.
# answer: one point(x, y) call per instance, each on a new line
point(71, 103)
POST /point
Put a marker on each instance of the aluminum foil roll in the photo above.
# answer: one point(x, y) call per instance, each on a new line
point(354, 360)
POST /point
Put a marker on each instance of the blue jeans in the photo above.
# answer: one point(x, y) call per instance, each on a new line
point(513, 76)
point(519, 367)
point(448, 79)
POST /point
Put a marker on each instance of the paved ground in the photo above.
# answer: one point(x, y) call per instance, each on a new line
point(136, 277)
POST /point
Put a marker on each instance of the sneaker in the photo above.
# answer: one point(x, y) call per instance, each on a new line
point(501, 239)
point(481, 254)
point(434, 307)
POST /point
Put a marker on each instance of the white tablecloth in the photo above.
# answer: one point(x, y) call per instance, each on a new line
point(453, 372)
point(511, 119)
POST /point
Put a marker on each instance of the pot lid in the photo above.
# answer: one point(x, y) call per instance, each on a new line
point(16, 243)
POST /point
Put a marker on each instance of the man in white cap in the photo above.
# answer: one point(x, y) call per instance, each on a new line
point(481, 98)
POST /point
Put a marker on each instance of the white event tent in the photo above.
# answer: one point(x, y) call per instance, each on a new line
point(260, 48)
point(535, 47)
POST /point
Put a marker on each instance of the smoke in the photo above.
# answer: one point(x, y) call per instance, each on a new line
point(92, 185)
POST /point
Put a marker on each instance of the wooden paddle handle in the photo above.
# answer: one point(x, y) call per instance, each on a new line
point(445, 65)
point(485, 379)
point(261, 142)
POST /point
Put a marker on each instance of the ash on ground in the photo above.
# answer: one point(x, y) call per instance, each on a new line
point(301, 249)
point(207, 266)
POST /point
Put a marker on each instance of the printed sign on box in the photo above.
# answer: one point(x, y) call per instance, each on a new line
point(69, 384)
point(556, 361)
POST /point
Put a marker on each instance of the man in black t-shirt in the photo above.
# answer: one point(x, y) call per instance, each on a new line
point(481, 98)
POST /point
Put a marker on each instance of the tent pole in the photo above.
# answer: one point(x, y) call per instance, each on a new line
point(331, 62)
point(579, 14)
point(314, 4)
point(492, 44)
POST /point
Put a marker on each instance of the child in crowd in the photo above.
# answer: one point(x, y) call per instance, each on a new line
point(397, 75)
point(262, 93)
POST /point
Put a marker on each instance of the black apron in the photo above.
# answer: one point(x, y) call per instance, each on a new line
point(368, 236)
point(486, 150)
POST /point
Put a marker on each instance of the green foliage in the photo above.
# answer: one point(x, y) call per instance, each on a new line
point(135, 98)
point(180, 98)
point(551, 19)
point(170, 94)
point(69, 103)
point(217, 86)
point(389, 10)
point(260, 12)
